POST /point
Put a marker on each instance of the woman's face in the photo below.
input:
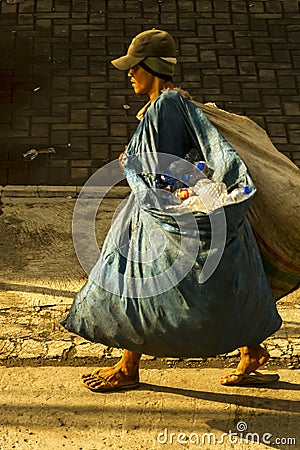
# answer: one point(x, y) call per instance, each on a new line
point(141, 80)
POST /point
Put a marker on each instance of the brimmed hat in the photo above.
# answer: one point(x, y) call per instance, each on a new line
point(149, 43)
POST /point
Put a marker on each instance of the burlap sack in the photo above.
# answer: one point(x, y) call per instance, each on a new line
point(275, 210)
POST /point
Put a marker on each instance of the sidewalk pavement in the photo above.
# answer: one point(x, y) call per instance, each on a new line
point(47, 408)
point(43, 404)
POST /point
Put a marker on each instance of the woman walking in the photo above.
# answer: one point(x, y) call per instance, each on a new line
point(124, 304)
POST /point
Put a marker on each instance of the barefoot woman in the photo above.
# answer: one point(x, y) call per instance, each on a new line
point(234, 308)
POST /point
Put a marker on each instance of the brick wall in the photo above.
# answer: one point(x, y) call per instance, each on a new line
point(58, 88)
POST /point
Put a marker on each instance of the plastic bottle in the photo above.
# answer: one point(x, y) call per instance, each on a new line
point(183, 193)
point(192, 178)
point(172, 202)
point(238, 194)
point(178, 197)
point(174, 175)
point(193, 203)
point(210, 193)
point(202, 165)
point(168, 181)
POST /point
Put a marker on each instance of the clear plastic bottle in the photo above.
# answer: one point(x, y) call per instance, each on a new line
point(174, 174)
point(204, 196)
point(210, 193)
point(193, 203)
point(192, 178)
point(239, 194)
point(184, 200)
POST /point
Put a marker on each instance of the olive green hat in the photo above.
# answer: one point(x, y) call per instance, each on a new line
point(149, 43)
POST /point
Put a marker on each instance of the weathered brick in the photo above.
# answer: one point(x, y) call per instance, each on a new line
point(276, 129)
point(117, 129)
point(291, 6)
point(227, 61)
point(242, 55)
point(39, 174)
point(17, 175)
point(258, 24)
point(62, 6)
point(231, 88)
point(208, 56)
point(79, 175)
point(21, 123)
point(204, 6)
point(250, 94)
point(61, 31)
point(211, 82)
point(60, 109)
point(98, 122)
point(296, 61)
point(294, 136)
point(3, 176)
point(189, 49)
point(82, 163)
point(240, 6)
point(292, 108)
point(40, 130)
point(247, 68)
point(79, 116)
point(267, 75)
point(44, 25)
point(240, 19)
point(59, 163)
point(243, 42)
point(59, 137)
point(9, 9)
point(223, 36)
point(282, 56)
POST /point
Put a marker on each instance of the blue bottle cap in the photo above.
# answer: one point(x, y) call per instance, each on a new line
point(185, 177)
point(246, 190)
point(168, 180)
point(200, 165)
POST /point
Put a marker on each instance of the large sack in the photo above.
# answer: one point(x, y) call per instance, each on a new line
point(275, 210)
point(137, 296)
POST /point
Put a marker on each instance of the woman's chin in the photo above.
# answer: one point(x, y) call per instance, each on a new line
point(137, 90)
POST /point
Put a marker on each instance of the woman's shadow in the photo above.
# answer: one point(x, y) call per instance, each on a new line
point(242, 399)
point(265, 419)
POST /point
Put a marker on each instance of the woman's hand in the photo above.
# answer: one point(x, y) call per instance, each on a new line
point(123, 158)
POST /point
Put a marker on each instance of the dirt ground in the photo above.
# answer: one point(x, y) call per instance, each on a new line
point(180, 403)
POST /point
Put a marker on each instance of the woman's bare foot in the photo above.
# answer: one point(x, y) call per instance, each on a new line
point(124, 374)
point(252, 357)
